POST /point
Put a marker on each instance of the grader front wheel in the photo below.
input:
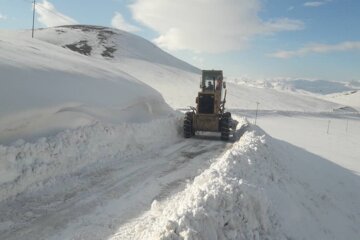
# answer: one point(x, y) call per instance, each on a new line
point(188, 125)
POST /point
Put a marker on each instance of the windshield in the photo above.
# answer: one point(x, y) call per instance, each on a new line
point(210, 79)
point(209, 83)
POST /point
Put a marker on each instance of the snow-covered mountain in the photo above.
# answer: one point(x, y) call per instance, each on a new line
point(177, 81)
point(173, 78)
point(351, 98)
point(344, 93)
point(317, 87)
point(110, 44)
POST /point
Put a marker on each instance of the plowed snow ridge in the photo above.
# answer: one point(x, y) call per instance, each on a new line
point(261, 188)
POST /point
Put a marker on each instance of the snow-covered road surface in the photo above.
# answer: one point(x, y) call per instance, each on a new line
point(92, 204)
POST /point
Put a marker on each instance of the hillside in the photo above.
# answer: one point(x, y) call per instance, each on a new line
point(110, 44)
point(306, 95)
point(350, 98)
point(316, 87)
point(177, 81)
point(173, 78)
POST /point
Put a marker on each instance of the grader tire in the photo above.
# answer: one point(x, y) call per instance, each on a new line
point(188, 125)
point(225, 128)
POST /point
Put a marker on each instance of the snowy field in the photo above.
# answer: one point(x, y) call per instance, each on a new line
point(339, 144)
point(91, 148)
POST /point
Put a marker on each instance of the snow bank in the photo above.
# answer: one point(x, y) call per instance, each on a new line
point(32, 164)
point(261, 188)
point(46, 89)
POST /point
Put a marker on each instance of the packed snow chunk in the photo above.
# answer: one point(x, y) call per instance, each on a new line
point(261, 188)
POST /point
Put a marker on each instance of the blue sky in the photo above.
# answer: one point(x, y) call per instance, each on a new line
point(256, 39)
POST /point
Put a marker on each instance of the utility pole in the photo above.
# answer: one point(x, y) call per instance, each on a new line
point(257, 109)
point(33, 23)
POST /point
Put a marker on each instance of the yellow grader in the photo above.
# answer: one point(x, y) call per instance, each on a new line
point(209, 114)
